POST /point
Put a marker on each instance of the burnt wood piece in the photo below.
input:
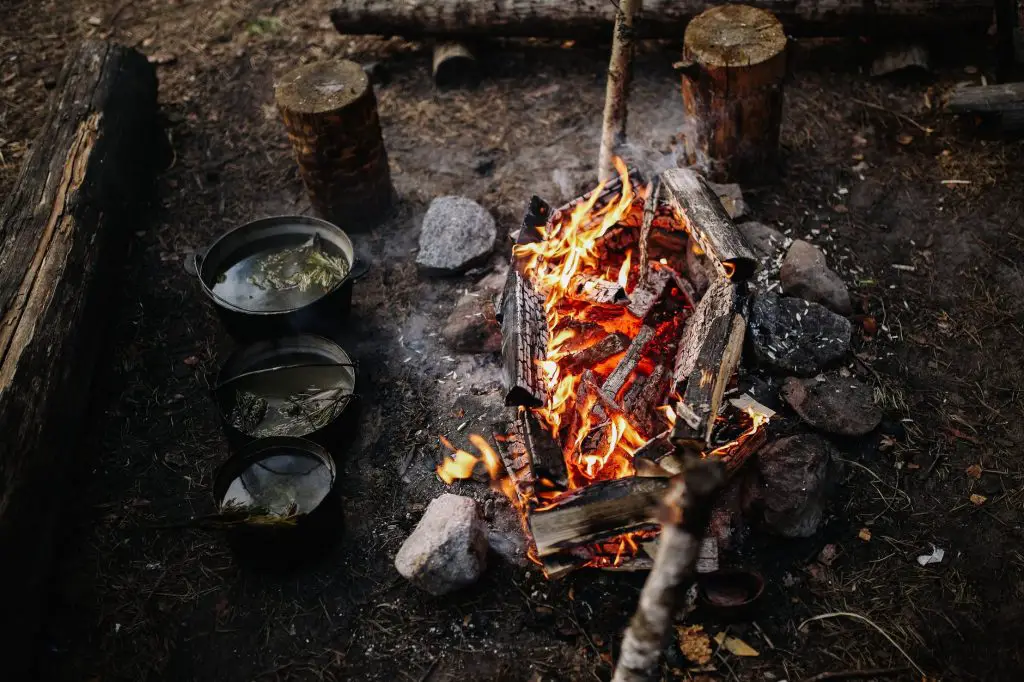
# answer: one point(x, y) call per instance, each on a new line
point(512, 449)
point(585, 19)
point(596, 512)
point(734, 63)
point(1005, 101)
point(650, 210)
point(649, 292)
point(455, 66)
point(64, 229)
point(648, 460)
point(708, 223)
point(736, 456)
point(708, 355)
point(524, 339)
point(609, 346)
point(330, 113)
point(537, 215)
point(608, 191)
point(617, 379)
point(546, 458)
point(599, 291)
point(639, 406)
point(585, 334)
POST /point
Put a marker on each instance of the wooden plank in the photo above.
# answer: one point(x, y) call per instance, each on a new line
point(64, 229)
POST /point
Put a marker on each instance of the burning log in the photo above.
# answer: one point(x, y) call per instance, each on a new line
point(650, 209)
point(64, 231)
point(597, 512)
point(684, 514)
point(524, 339)
point(708, 223)
point(600, 291)
point(609, 191)
point(546, 459)
point(645, 394)
point(634, 354)
point(609, 346)
point(658, 18)
point(512, 450)
point(330, 112)
point(735, 62)
point(650, 291)
point(455, 66)
point(708, 355)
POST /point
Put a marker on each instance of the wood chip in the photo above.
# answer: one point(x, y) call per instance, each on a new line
point(864, 535)
point(978, 500)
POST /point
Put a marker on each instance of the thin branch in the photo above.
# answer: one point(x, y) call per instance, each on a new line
point(613, 129)
point(857, 616)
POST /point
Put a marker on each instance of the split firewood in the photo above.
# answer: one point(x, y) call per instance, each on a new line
point(639, 405)
point(524, 338)
point(649, 292)
point(546, 459)
point(684, 513)
point(708, 355)
point(597, 512)
point(708, 224)
point(650, 206)
point(599, 291)
point(613, 130)
point(634, 354)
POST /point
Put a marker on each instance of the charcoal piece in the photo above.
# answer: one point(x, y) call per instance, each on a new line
point(617, 379)
point(610, 345)
point(546, 458)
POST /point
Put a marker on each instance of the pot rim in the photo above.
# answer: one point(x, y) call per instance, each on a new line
point(269, 221)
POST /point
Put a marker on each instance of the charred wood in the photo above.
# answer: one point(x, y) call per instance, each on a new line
point(708, 223)
point(600, 291)
point(617, 379)
point(524, 338)
point(546, 458)
point(609, 346)
point(597, 512)
point(512, 450)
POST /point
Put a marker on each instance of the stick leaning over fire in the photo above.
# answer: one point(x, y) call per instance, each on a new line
point(685, 512)
point(613, 131)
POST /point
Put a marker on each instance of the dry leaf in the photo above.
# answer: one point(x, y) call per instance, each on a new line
point(840, 208)
point(905, 139)
point(974, 471)
point(978, 499)
point(735, 645)
point(864, 535)
point(694, 643)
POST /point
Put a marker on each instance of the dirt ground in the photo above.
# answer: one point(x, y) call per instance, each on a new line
point(864, 178)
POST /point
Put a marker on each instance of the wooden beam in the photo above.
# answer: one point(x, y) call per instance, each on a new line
point(64, 230)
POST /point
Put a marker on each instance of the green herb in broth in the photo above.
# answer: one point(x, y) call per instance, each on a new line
point(249, 412)
point(299, 414)
point(301, 267)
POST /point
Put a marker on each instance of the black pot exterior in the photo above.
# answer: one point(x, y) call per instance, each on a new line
point(325, 316)
point(283, 548)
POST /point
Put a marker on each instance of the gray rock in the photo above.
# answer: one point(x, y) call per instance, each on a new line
point(835, 405)
point(731, 197)
point(795, 336)
point(472, 326)
point(793, 482)
point(457, 234)
point(448, 548)
point(805, 274)
point(767, 242)
point(510, 546)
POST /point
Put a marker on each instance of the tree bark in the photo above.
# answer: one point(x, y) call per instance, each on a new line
point(63, 232)
point(616, 98)
point(330, 112)
point(734, 60)
point(659, 19)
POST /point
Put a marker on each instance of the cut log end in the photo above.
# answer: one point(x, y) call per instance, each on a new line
point(322, 87)
point(455, 66)
point(734, 35)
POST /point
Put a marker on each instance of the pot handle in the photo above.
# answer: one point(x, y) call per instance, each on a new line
point(194, 262)
point(360, 266)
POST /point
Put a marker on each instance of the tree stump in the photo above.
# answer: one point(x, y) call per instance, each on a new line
point(455, 66)
point(734, 62)
point(64, 231)
point(330, 112)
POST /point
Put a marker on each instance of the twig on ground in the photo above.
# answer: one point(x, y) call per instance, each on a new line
point(864, 619)
point(857, 674)
point(926, 130)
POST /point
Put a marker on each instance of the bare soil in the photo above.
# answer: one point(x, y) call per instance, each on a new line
point(864, 178)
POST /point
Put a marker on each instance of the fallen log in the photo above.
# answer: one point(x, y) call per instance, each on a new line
point(597, 512)
point(708, 223)
point(63, 232)
point(1005, 101)
point(455, 66)
point(583, 19)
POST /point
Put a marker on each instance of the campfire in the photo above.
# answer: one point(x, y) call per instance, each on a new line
point(615, 366)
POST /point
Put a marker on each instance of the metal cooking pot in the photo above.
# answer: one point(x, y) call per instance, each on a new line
point(235, 275)
point(299, 386)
